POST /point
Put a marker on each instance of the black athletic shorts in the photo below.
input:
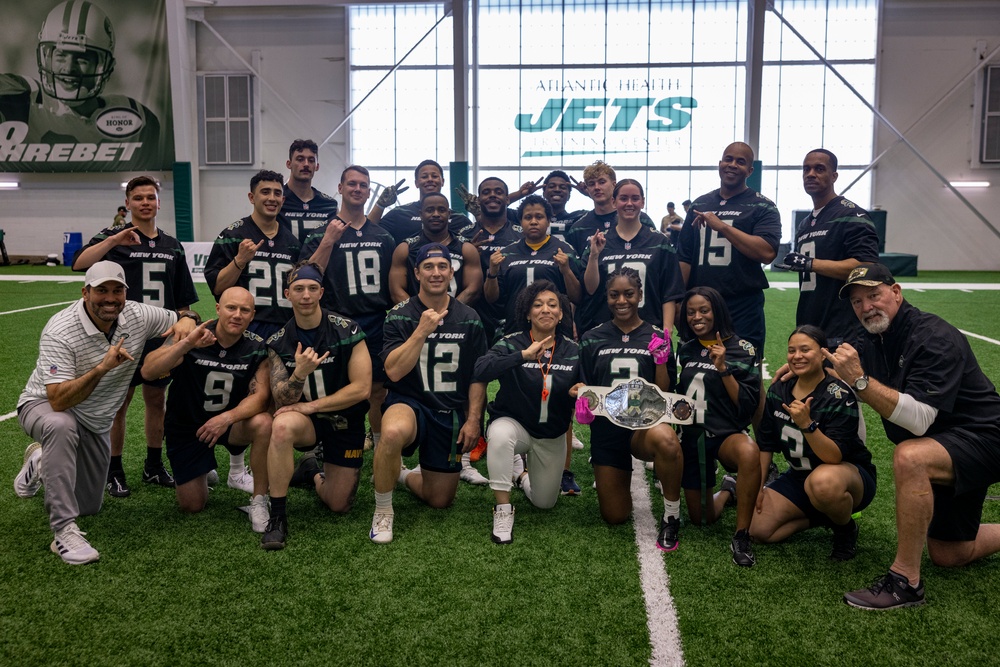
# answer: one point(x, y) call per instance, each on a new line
point(691, 478)
point(437, 434)
point(975, 458)
point(610, 445)
point(342, 438)
point(191, 458)
point(137, 379)
point(792, 485)
point(372, 325)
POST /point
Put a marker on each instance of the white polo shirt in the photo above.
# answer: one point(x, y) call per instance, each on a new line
point(71, 346)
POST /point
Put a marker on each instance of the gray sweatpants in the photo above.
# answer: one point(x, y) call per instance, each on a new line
point(74, 461)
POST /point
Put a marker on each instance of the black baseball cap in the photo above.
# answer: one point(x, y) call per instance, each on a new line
point(868, 274)
point(433, 250)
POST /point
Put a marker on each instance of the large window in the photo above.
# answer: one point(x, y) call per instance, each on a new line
point(656, 89)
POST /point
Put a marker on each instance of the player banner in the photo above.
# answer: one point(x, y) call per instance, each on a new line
point(85, 87)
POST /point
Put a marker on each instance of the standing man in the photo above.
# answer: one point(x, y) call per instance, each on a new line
point(557, 189)
point(671, 224)
point(404, 221)
point(432, 342)
point(86, 358)
point(355, 256)
point(599, 179)
point(155, 265)
point(829, 244)
point(255, 253)
point(942, 413)
point(219, 396)
point(320, 380)
point(728, 234)
point(305, 208)
point(492, 231)
point(467, 273)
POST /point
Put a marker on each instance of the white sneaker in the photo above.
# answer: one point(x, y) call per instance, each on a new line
point(72, 547)
point(503, 526)
point(518, 467)
point(212, 477)
point(259, 515)
point(241, 480)
point(381, 528)
point(29, 480)
point(649, 465)
point(473, 476)
point(577, 443)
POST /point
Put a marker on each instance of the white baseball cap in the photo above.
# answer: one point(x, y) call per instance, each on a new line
point(102, 272)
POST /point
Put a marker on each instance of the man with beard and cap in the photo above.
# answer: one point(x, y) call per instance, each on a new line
point(86, 358)
point(943, 415)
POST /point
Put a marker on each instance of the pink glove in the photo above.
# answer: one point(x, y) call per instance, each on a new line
point(583, 412)
point(660, 348)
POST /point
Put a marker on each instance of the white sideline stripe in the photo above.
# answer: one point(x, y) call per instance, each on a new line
point(661, 615)
point(974, 335)
point(9, 415)
point(48, 305)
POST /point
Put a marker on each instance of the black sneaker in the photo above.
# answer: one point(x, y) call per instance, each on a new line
point(729, 484)
point(158, 475)
point(891, 591)
point(275, 534)
point(117, 486)
point(845, 541)
point(772, 473)
point(306, 471)
point(669, 537)
point(742, 549)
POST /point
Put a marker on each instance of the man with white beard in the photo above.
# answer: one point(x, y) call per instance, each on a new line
point(942, 413)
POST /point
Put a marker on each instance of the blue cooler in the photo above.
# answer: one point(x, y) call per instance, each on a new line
point(72, 241)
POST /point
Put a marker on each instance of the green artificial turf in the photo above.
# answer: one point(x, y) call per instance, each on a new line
point(172, 589)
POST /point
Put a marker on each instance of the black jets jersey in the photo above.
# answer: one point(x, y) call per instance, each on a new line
point(559, 224)
point(607, 355)
point(649, 252)
point(302, 218)
point(700, 380)
point(834, 407)
point(713, 259)
point(264, 275)
point(211, 380)
point(842, 230)
point(336, 335)
point(925, 357)
point(156, 269)
point(579, 233)
point(356, 281)
point(442, 376)
point(454, 244)
point(543, 414)
point(404, 221)
point(492, 313)
point(522, 265)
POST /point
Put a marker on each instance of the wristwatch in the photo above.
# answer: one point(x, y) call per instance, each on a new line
point(861, 383)
point(813, 425)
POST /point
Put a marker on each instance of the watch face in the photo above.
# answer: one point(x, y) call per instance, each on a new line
point(861, 383)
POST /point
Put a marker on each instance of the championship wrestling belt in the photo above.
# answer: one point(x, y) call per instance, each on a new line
point(636, 404)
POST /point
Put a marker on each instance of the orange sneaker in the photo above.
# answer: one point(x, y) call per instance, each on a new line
point(479, 450)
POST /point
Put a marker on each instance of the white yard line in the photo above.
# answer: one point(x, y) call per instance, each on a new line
point(9, 415)
point(661, 615)
point(975, 335)
point(48, 305)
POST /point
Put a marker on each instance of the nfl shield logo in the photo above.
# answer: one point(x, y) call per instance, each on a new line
point(222, 353)
point(305, 207)
point(625, 338)
point(52, 369)
point(270, 242)
point(152, 243)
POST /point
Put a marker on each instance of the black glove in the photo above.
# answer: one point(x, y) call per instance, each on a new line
point(794, 261)
point(390, 194)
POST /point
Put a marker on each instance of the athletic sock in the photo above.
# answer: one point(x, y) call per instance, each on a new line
point(236, 464)
point(278, 506)
point(383, 502)
point(375, 438)
point(846, 528)
point(116, 464)
point(507, 507)
point(153, 456)
point(467, 460)
point(526, 485)
point(672, 508)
